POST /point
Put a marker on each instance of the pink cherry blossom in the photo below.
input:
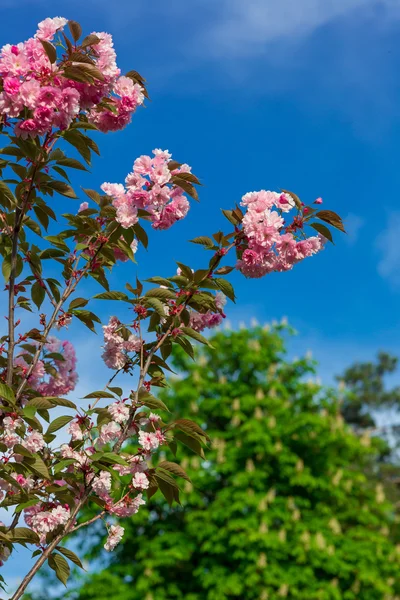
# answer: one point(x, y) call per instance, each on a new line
point(108, 433)
point(102, 485)
point(148, 441)
point(75, 431)
point(34, 442)
point(119, 412)
point(48, 28)
point(149, 187)
point(115, 535)
point(140, 481)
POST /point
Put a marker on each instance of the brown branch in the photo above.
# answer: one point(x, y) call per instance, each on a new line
point(19, 215)
point(70, 288)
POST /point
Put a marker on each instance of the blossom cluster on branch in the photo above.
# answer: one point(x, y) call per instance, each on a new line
point(54, 87)
point(42, 91)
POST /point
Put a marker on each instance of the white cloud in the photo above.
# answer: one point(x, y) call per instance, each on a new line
point(245, 26)
point(388, 244)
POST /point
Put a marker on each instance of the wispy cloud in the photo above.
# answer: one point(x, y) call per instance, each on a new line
point(244, 27)
point(388, 244)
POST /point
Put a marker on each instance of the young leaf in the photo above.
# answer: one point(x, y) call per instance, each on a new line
point(50, 51)
point(323, 230)
point(75, 29)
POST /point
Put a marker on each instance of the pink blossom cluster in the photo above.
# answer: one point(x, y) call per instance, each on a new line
point(130, 96)
point(64, 381)
point(43, 519)
point(149, 187)
point(10, 435)
point(210, 319)
point(26, 483)
point(40, 94)
point(270, 244)
point(115, 534)
point(115, 346)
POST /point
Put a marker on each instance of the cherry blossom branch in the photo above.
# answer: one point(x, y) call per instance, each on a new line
point(71, 286)
point(46, 553)
point(19, 215)
point(99, 516)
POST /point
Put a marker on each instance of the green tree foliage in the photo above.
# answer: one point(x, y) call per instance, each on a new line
point(279, 508)
point(372, 406)
point(367, 392)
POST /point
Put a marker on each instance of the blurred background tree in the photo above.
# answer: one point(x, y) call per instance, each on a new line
point(286, 503)
point(370, 405)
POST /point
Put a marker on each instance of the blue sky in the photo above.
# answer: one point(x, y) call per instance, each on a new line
point(296, 94)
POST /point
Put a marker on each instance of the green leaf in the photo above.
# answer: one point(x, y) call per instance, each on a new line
point(76, 139)
point(151, 401)
point(93, 195)
point(141, 235)
point(323, 230)
point(58, 423)
point(111, 296)
point(56, 240)
point(100, 394)
point(157, 305)
point(196, 336)
point(332, 218)
point(186, 345)
point(190, 442)
point(19, 449)
point(62, 188)
point(226, 288)
point(113, 458)
point(72, 163)
point(90, 40)
point(24, 505)
point(6, 267)
point(38, 294)
point(62, 402)
point(203, 240)
point(190, 427)
point(41, 216)
point(174, 469)
point(161, 293)
point(77, 303)
point(7, 194)
point(116, 390)
point(39, 403)
point(7, 393)
point(186, 186)
point(40, 467)
point(161, 281)
point(71, 555)
point(60, 566)
point(24, 534)
point(52, 253)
